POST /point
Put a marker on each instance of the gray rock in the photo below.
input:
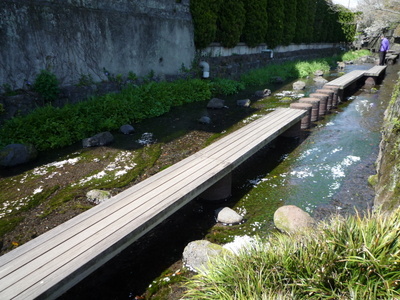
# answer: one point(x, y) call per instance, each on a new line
point(16, 154)
point(299, 85)
point(98, 196)
point(197, 254)
point(243, 103)
point(216, 103)
point(227, 215)
point(320, 79)
point(369, 82)
point(100, 139)
point(319, 73)
point(291, 219)
point(127, 129)
point(341, 65)
point(205, 120)
point(263, 93)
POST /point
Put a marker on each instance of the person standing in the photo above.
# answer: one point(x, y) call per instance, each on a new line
point(383, 49)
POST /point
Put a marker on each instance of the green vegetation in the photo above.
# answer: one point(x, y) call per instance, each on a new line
point(205, 15)
point(46, 84)
point(343, 258)
point(230, 22)
point(351, 55)
point(276, 18)
point(50, 127)
point(275, 22)
point(256, 22)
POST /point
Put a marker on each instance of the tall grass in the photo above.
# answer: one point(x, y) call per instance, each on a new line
point(285, 71)
point(355, 54)
point(344, 258)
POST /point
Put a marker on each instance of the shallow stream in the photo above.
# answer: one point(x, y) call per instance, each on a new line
point(324, 171)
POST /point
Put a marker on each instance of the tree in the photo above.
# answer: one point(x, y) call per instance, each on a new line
point(256, 24)
point(204, 15)
point(378, 15)
point(301, 21)
point(230, 22)
point(276, 16)
point(289, 26)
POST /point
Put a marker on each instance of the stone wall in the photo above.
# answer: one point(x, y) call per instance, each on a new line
point(79, 37)
point(387, 180)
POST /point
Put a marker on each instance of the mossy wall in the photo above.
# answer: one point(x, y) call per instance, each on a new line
point(388, 163)
point(72, 38)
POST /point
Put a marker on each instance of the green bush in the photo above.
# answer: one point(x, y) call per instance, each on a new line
point(276, 15)
point(255, 28)
point(49, 127)
point(343, 258)
point(204, 14)
point(289, 24)
point(46, 84)
point(230, 22)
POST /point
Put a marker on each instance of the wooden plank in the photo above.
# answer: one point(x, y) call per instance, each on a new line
point(347, 79)
point(375, 71)
point(63, 256)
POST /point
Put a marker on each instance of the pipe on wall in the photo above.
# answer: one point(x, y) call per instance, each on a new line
point(206, 69)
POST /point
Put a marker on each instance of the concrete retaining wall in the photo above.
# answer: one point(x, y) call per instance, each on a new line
point(79, 37)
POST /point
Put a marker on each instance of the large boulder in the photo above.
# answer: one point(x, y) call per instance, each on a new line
point(197, 254)
point(16, 154)
point(100, 139)
point(299, 85)
point(291, 219)
point(216, 103)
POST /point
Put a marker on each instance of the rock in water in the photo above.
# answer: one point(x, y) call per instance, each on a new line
point(100, 139)
point(290, 219)
point(16, 154)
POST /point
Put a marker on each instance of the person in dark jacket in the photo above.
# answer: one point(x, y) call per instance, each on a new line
point(383, 49)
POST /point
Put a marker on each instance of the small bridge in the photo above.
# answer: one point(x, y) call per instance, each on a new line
point(349, 82)
point(50, 264)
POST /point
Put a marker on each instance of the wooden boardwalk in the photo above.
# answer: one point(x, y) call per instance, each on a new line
point(345, 80)
point(49, 265)
point(355, 79)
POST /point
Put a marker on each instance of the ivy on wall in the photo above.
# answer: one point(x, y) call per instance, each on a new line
point(275, 22)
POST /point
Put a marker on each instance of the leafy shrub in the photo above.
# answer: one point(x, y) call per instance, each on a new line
point(46, 84)
point(255, 28)
point(276, 15)
point(343, 258)
point(205, 14)
point(230, 22)
point(221, 86)
point(49, 127)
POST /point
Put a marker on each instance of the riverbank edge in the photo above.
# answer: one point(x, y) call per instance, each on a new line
point(387, 179)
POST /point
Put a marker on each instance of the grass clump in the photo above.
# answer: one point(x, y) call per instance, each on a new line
point(355, 54)
point(344, 258)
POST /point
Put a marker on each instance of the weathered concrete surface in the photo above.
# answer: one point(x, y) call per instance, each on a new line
point(75, 37)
